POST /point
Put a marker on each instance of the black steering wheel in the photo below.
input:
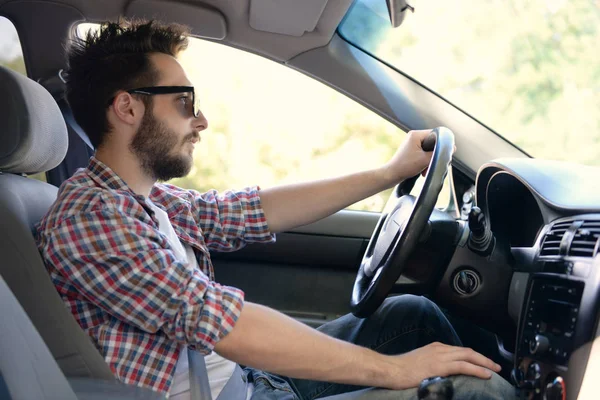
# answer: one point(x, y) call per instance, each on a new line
point(397, 232)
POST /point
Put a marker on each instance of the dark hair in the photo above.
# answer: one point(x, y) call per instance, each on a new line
point(112, 58)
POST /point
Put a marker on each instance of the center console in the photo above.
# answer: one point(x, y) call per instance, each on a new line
point(557, 319)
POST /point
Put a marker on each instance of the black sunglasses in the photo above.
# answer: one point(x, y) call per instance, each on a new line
point(191, 106)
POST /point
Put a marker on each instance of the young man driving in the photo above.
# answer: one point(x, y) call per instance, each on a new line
point(131, 256)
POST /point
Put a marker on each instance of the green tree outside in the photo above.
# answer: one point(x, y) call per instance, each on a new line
point(528, 69)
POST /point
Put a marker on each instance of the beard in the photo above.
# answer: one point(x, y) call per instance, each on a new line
point(153, 144)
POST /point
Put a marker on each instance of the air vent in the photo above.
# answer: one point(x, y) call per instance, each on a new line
point(551, 244)
point(585, 242)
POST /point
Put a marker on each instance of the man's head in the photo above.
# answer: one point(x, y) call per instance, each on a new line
point(127, 90)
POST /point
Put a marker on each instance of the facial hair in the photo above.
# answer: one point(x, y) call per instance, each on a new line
point(154, 143)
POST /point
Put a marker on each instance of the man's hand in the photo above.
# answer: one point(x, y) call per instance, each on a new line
point(409, 160)
point(437, 359)
point(289, 206)
point(266, 339)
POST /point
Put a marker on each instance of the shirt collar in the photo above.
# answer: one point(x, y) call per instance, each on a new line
point(105, 177)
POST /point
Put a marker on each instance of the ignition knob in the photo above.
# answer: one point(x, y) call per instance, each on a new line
point(539, 345)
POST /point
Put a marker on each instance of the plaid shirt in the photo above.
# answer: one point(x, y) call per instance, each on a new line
point(119, 276)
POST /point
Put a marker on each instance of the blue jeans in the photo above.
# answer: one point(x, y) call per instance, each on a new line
point(400, 325)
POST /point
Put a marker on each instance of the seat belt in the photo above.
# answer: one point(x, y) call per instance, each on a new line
point(199, 386)
point(236, 387)
point(70, 120)
point(56, 86)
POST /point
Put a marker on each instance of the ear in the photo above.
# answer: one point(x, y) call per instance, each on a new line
point(127, 108)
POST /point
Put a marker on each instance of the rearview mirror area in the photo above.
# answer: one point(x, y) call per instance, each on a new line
point(398, 9)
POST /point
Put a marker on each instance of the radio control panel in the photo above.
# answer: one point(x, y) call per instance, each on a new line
point(551, 314)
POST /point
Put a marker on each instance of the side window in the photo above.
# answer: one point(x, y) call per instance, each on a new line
point(271, 125)
point(11, 56)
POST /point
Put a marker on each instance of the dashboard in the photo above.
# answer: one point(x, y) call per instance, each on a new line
point(545, 221)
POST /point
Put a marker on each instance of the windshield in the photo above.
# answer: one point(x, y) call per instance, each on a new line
point(530, 69)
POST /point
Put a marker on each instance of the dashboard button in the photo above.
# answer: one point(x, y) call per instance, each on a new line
point(581, 269)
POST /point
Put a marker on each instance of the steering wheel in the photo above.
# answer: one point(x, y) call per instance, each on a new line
point(397, 233)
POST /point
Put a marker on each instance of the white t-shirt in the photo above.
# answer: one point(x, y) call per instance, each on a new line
point(219, 369)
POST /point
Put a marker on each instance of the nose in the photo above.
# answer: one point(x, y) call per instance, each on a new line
point(200, 122)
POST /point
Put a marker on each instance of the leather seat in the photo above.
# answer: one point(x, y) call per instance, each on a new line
point(33, 138)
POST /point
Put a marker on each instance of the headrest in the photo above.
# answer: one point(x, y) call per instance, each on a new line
point(33, 133)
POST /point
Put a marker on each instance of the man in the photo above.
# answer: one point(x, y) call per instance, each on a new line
point(130, 256)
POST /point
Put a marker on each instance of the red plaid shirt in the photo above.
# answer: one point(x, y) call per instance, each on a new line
point(119, 276)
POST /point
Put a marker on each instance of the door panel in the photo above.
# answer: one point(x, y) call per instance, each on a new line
point(308, 273)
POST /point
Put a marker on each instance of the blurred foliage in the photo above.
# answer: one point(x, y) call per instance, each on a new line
point(271, 125)
point(530, 69)
point(15, 64)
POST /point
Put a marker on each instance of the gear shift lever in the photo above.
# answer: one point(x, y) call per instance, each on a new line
point(436, 388)
point(481, 239)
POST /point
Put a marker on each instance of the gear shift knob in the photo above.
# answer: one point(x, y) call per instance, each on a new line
point(481, 240)
point(436, 388)
point(477, 222)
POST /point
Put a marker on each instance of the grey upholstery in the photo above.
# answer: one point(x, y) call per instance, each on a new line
point(25, 356)
point(20, 345)
point(33, 132)
point(33, 138)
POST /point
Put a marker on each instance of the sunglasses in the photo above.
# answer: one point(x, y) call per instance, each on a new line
point(191, 107)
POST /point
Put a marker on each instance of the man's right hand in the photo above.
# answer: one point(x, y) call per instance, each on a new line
point(266, 339)
point(437, 359)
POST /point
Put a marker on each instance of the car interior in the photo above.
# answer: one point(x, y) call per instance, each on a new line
point(512, 259)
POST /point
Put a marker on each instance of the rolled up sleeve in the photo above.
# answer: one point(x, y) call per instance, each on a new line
point(231, 219)
point(125, 267)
